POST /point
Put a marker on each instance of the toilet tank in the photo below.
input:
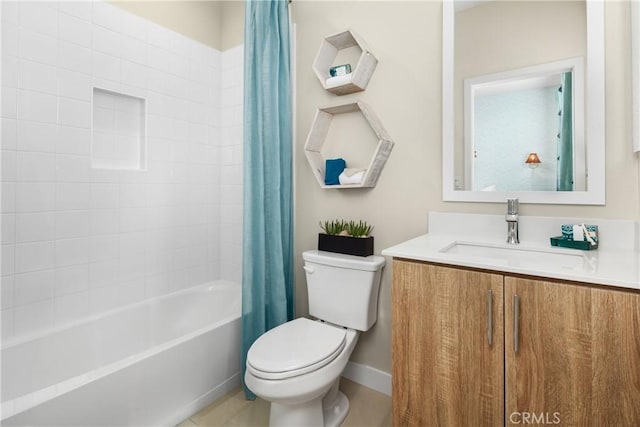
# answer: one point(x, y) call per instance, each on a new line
point(343, 289)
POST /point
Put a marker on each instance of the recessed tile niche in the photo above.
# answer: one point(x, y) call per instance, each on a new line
point(118, 139)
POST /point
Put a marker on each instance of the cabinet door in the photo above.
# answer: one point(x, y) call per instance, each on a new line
point(578, 358)
point(445, 372)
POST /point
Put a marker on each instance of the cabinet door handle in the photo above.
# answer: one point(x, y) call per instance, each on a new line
point(516, 321)
point(490, 320)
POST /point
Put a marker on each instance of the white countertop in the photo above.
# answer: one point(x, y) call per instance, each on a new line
point(612, 264)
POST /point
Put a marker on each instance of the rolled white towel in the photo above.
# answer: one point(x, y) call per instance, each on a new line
point(338, 80)
point(351, 176)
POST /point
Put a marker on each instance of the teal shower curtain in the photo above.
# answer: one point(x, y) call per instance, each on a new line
point(564, 181)
point(267, 264)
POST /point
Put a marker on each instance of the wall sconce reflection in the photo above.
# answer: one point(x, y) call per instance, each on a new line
point(533, 160)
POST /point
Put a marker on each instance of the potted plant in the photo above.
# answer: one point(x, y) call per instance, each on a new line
point(346, 237)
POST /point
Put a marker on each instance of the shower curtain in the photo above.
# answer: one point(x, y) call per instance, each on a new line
point(267, 263)
point(564, 181)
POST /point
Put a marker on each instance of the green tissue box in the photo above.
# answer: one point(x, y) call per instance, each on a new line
point(560, 241)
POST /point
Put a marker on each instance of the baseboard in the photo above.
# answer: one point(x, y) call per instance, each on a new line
point(369, 377)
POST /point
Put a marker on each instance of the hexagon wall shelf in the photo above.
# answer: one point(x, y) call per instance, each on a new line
point(320, 129)
point(360, 75)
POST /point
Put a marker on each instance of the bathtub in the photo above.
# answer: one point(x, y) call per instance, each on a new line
point(153, 363)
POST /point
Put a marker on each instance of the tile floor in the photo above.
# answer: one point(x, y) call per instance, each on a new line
point(368, 408)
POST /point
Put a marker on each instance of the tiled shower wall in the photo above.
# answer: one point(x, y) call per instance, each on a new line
point(78, 240)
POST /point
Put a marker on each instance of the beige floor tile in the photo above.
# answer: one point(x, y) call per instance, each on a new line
point(368, 408)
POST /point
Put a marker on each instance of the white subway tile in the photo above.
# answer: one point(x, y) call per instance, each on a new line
point(103, 222)
point(74, 85)
point(35, 167)
point(36, 106)
point(34, 256)
point(10, 12)
point(157, 35)
point(107, 41)
point(74, 30)
point(9, 71)
point(72, 196)
point(71, 307)
point(105, 66)
point(7, 291)
point(71, 251)
point(9, 134)
point(36, 136)
point(8, 191)
point(8, 169)
point(103, 273)
point(73, 57)
point(72, 224)
point(34, 227)
point(103, 247)
point(133, 219)
point(69, 280)
point(130, 268)
point(102, 299)
point(107, 16)
point(33, 317)
point(79, 9)
point(7, 324)
point(134, 26)
point(72, 112)
point(37, 47)
point(70, 168)
point(72, 140)
point(8, 259)
point(10, 38)
point(9, 101)
point(33, 287)
point(156, 285)
point(104, 196)
point(134, 74)
point(132, 244)
point(39, 17)
point(8, 228)
point(34, 197)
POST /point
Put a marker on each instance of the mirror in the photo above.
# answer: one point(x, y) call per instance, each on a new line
point(523, 101)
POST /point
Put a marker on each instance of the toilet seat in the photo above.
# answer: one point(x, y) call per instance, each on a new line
point(295, 348)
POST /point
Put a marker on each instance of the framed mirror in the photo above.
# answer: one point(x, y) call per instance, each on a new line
point(523, 101)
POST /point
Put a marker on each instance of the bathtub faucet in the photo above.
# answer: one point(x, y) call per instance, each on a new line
point(512, 221)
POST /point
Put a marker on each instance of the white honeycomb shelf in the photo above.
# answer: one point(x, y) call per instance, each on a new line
point(360, 74)
point(318, 133)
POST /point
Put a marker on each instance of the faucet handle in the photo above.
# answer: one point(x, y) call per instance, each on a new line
point(512, 206)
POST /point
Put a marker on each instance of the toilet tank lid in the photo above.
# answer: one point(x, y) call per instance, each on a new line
point(369, 263)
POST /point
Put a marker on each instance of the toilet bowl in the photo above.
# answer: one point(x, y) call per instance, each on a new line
point(297, 366)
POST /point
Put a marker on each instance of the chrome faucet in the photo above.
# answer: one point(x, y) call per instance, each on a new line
point(512, 221)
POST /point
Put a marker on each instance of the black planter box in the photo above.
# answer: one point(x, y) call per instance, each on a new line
point(360, 246)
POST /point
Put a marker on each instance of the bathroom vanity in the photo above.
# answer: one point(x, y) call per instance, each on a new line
point(488, 334)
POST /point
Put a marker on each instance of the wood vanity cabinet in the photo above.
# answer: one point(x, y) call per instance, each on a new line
point(577, 361)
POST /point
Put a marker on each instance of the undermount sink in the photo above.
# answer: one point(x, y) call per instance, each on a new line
point(516, 256)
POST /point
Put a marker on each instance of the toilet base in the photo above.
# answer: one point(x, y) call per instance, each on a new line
point(335, 414)
point(313, 413)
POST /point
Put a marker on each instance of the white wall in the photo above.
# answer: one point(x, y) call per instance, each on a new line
point(77, 240)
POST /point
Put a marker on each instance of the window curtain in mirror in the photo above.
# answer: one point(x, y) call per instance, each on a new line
point(267, 261)
point(564, 180)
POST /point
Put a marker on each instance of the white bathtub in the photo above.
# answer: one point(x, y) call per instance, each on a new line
point(149, 364)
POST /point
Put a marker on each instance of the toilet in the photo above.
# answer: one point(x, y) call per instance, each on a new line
point(297, 365)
